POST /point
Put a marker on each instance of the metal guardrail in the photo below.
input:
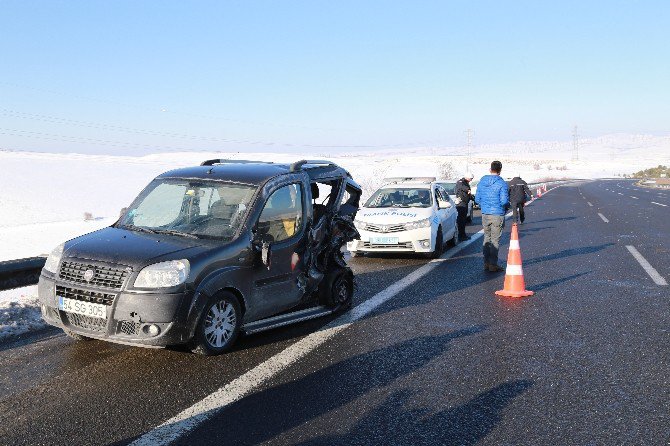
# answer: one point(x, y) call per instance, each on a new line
point(20, 272)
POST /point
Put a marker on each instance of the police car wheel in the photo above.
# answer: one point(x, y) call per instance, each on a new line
point(219, 325)
point(454, 240)
point(439, 245)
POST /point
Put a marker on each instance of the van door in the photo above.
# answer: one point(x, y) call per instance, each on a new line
point(281, 225)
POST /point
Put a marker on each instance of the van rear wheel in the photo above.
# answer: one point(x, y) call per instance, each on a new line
point(219, 325)
point(337, 289)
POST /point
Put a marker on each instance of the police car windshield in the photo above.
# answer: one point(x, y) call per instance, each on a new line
point(402, 197)
point(189, 208)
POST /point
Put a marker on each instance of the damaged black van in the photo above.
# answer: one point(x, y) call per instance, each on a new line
point(207, 252)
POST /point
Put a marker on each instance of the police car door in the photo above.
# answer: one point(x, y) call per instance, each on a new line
point(281, 228)
point(448, 214)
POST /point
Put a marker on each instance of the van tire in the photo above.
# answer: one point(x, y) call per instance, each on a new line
point(222, 309)
point(337, 289)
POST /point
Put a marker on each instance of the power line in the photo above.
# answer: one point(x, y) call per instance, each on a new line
point(117, 128)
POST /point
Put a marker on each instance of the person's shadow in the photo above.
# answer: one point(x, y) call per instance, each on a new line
point(396, 422)
point(263, 415)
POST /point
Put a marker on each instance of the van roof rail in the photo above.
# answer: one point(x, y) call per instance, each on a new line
point(229, 161)
point(409, 180)
point(298, 165)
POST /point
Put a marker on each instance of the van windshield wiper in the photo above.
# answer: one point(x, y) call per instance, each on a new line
point(138, 228)
point(172, 232)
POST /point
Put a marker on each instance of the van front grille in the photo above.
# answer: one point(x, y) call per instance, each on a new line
point(86, 322)
point(85, 295)
point(103, 276)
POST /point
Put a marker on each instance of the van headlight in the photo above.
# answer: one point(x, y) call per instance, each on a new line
point(425, 223)
point(360, 224)
point(53, 260)
point(163, 274)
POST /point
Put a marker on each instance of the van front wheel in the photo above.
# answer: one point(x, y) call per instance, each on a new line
point(219, 325)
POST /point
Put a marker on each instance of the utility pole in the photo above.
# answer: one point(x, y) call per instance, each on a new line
point(575, 144)
point(469, 133)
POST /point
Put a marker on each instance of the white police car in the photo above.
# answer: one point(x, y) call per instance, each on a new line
point(406, 215)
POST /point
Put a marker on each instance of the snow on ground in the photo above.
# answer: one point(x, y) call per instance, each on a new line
point(19, 312)
point(44, 196)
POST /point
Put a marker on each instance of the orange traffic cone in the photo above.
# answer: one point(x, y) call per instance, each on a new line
point(539, 192)
point(515, 286)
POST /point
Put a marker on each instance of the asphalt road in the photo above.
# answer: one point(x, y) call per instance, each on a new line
point(444, 361)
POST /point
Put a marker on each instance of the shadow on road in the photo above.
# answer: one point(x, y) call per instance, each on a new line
point(466, 424)
point(551, 283)
point(264, 415)
point(554, 219)
point(568, 253)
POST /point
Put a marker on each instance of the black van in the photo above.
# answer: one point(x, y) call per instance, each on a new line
point(206, 252)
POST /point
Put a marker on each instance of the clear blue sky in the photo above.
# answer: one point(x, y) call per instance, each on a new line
point(144, 76)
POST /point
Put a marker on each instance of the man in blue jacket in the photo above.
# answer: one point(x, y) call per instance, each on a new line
point(493, 197)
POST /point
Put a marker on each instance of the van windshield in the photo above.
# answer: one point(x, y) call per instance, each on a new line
point(400, 197)
point(189, 208)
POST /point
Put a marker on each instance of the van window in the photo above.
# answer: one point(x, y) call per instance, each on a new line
point(282, 216)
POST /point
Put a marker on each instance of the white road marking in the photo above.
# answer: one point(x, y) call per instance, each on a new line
point(660, 204)
point(634, 197)
point(589, 203)
point(190, 418)
point(619, 193)
point(603, 217)
point(655, 276)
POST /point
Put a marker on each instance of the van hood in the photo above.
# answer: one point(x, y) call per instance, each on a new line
point(393, 215)
point(132, 248)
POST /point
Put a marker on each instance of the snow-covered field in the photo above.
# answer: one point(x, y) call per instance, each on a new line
point(44, 196)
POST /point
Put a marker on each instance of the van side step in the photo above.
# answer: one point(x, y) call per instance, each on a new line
point(286, 319)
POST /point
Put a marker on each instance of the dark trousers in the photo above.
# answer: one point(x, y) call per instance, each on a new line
point(461, 220)
point(517, 211)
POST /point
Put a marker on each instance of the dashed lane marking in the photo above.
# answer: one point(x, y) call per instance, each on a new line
point(191, 417)
point(634, 197)
point(603, 217)
point(589, 203)
point(655, 276)
point(619, 193)
point(660, 204)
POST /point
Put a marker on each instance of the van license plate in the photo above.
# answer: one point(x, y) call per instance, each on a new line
point(83, 308)
point(384, 240)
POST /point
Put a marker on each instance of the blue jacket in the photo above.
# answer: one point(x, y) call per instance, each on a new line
point(492, 195)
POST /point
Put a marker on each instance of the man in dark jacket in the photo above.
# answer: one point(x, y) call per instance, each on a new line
point(518, 190)
point(462, 200)
point(493, 197)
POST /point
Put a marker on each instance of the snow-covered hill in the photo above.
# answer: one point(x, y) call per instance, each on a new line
point(44, 196)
